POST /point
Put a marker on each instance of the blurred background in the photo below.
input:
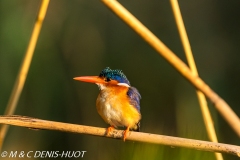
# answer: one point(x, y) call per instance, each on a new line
point(82, 37)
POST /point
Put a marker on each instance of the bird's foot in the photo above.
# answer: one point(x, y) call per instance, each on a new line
point(109, 129)
point(125, 134)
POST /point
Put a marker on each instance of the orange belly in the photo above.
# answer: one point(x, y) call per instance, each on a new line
point(114, 107)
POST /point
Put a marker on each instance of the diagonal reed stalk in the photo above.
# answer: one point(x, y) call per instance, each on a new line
point(21, 78)
point(222, 107)
point(202, 100)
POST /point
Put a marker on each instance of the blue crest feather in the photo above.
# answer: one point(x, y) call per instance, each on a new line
point(117, 75)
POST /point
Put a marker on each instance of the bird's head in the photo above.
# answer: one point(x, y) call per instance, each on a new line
point(107, 77)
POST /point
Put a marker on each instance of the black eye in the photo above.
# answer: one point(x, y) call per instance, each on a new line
point(107, 79)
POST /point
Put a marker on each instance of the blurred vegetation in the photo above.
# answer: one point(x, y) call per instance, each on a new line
point(81, 37)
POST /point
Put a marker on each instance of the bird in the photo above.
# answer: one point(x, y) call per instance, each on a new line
point(118, 103)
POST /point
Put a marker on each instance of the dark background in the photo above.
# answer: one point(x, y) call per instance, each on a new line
point(81, 37)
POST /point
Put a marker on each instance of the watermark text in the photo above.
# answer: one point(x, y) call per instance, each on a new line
point(42, 154)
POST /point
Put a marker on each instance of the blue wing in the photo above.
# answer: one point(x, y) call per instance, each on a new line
point(134, 97)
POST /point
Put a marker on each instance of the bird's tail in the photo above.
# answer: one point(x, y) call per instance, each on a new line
point(137, 128)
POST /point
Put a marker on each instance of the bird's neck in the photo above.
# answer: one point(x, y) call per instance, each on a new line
point(112, 90)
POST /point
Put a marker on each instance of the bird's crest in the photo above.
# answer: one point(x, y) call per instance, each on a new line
point(117, 75)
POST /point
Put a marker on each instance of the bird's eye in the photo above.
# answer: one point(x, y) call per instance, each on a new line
point(107, 79)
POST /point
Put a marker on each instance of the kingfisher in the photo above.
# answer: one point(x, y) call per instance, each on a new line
point(118, 103)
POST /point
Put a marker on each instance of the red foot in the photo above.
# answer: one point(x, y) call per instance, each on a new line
point(109, 129)
point(125, 134)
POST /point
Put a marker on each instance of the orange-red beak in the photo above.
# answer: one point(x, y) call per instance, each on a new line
point(90, 79)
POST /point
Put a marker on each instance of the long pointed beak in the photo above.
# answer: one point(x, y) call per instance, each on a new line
point(90, 79)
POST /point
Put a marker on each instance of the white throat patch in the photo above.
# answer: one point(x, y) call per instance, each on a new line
point(101, 86)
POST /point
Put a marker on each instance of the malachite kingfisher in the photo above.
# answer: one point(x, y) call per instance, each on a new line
point(118, 103)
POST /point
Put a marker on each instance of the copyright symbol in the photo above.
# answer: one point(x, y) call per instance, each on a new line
point(4, 154)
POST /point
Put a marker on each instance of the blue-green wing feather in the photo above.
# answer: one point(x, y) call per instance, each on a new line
point(134, 97)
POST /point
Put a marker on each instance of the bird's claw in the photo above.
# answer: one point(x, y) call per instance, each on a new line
point(109, 129)
point(125, 134)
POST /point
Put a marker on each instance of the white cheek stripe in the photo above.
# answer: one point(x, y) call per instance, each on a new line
point(123, 84)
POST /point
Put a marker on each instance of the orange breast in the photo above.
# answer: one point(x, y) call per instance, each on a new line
point(114, 107)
